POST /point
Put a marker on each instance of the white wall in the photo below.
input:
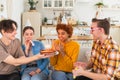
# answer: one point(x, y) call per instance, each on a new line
point(83, 11)
point(13, 10)
point(17, 9)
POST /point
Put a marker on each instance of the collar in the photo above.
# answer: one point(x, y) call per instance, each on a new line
point(106, 40)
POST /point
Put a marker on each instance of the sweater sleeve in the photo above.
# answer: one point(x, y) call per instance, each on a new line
point(53, 60)
point(72, 55)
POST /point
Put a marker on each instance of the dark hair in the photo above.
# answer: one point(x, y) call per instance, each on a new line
point(28, 27)
point(103, 23)
point(7, 25)
point(68, 28)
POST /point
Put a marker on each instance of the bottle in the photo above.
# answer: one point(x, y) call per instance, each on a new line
point(64, 20)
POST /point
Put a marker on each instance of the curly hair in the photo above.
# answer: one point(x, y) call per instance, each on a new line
point(66, 27)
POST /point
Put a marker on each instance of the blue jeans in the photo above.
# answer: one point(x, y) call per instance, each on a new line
point(40, 76)
point(60, 75)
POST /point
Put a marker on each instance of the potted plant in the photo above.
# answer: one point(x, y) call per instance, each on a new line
point(99, 4)
point(45, 20)
point(32, 4)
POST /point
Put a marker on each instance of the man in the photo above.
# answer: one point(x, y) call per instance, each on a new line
point(11, 54)
point(105, 54)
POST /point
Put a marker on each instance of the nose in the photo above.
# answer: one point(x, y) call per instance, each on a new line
point(29, 36)
point(15, 32)
point(59, 35)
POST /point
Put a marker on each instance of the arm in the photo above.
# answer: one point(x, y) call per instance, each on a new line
point(111, 66)
point(38, 46)
point(44, 64)
point(26, 47)
point(22, 60)
point(71, 55)
point(94, 76)
point(84, 65)
point(89, 65)
point(53, 60)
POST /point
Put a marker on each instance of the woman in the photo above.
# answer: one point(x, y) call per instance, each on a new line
point(11, 53)
point(68, 53)
point(36, 70)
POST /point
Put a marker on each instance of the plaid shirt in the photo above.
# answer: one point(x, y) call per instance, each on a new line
point(105, 57)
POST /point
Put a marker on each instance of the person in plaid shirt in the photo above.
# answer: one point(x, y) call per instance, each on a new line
point(105, 54)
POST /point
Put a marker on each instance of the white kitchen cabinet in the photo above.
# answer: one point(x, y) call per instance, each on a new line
point(58, 4)
point(34, 19)
point(47, 3)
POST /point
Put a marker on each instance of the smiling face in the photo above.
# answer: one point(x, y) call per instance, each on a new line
point(95, 31)
point(10, 35)
point(62, 35)
point(64, 32)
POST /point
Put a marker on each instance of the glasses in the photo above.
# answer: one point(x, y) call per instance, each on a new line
point(93, 29)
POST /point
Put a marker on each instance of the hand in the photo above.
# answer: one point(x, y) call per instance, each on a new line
point(38, 70)
point(77, 71)
point(59, 47)
point(82, 64)
point(27, 44)
point(32, 73)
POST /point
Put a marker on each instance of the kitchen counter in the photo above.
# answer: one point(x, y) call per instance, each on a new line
point(113, 26)
point(73, 38)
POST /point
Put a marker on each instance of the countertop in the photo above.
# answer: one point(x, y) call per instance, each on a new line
point(73, 38)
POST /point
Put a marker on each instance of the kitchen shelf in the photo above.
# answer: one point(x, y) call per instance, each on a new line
point(73, 26)
point(73, 38)
point(80, 32)
point(115, 26)
point(105, 9)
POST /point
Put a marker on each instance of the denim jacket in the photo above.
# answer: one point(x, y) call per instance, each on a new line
point(37, 46)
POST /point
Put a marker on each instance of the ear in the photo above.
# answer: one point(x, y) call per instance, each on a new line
point(2, 32)
point(102, 30)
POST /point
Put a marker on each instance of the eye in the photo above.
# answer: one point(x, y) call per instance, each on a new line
point(31, 34)
point(26, 34)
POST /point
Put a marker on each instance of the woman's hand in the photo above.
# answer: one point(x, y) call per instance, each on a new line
point(59, 47)
point(38, 70)
point(32, 73)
